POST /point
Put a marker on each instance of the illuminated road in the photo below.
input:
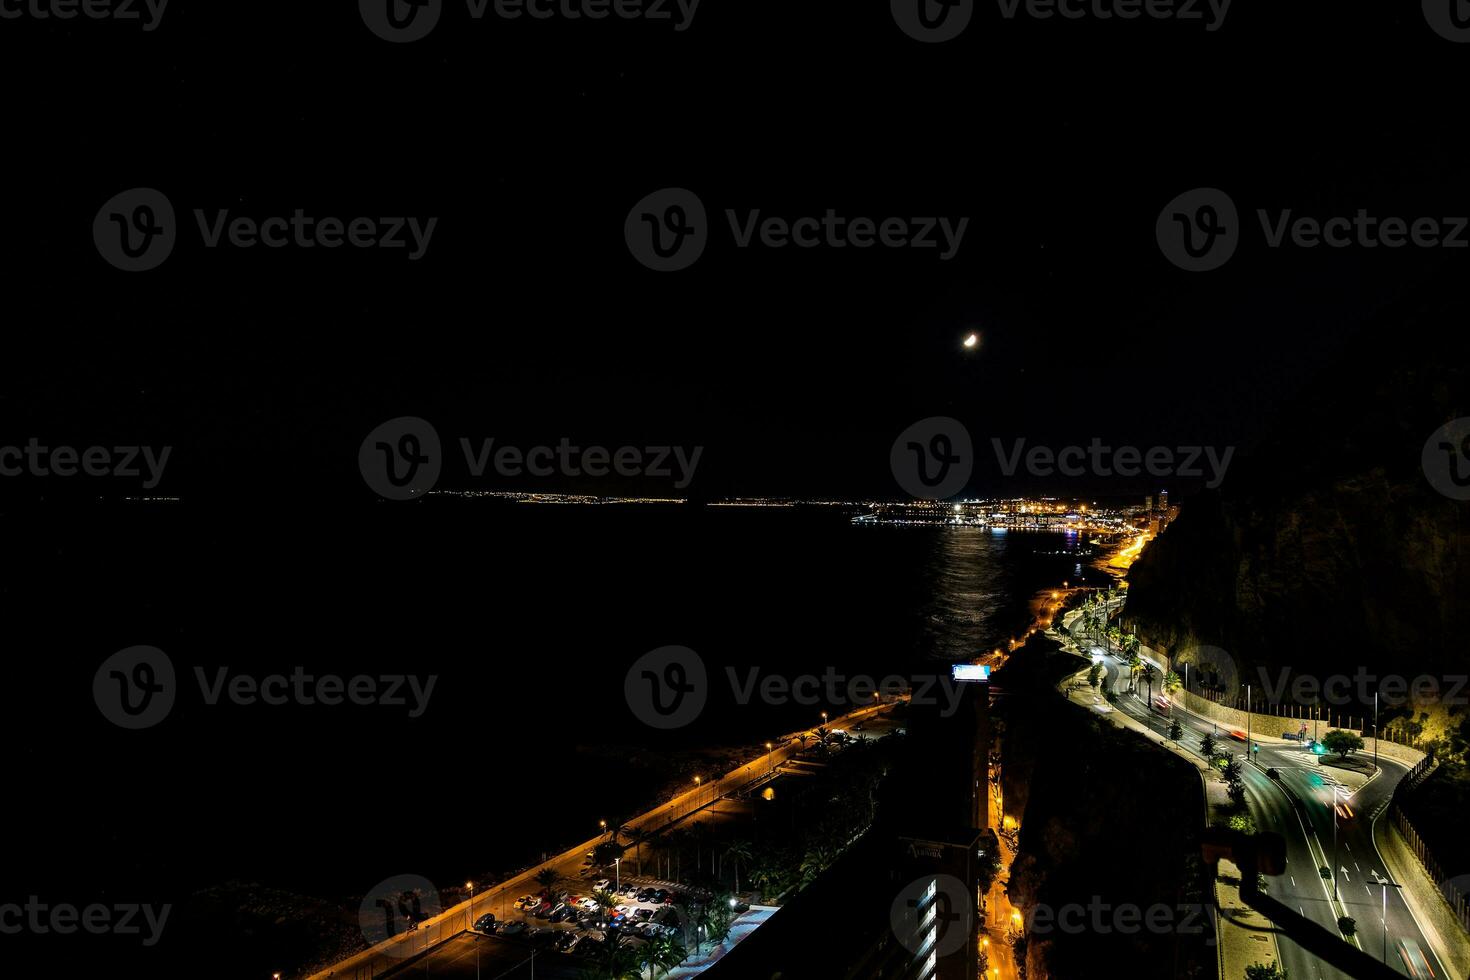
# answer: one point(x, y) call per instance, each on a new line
point(1309, 835)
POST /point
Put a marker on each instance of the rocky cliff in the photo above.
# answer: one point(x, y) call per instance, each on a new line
point(1327, 548)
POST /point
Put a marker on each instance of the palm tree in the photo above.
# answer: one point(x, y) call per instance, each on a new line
point(619, 961)
point(638, 837)
point(739, 850)
point(677, 838)
point(696, 834)
point(548, 878)
point(1149, 674)
point(1133, 663)
point(607, 900)
point(662, 952)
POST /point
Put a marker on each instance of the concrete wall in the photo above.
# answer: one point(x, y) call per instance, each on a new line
point(1435, 917)
point(1268, 728)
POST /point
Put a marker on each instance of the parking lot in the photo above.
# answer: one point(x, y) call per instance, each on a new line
point(573, 921)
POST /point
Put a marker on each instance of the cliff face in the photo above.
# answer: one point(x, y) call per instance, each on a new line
point(1327, 548)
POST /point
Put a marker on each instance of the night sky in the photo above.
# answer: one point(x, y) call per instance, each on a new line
point(527, 318)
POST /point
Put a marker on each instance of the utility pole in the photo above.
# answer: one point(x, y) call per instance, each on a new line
point(1375, 752)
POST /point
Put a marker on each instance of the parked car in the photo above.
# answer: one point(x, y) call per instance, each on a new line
point(1292, 736)
point(485, 923)
point(515, 928)
point(644, 894)
point(567, 940)
point(660, 896)
point(527, 900)
point(603, 884)
point(563, 912)
point(643, 915)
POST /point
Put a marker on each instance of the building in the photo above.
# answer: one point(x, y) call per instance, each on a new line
point(924, 850)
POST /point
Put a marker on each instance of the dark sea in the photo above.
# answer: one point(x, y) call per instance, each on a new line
point(529, 616)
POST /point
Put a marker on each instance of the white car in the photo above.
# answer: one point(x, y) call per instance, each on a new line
point(622, 910)
point(602, 884)
point(590, 904)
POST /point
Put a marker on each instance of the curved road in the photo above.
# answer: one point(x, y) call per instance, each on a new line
point(1308, 829)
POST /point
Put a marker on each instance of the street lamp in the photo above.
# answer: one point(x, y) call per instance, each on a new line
point(1386, 886)
point(824, 717)
point(1334, 842)
point(771, 765)
point(603, 825)
point(617, 881)
point(470, 911)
